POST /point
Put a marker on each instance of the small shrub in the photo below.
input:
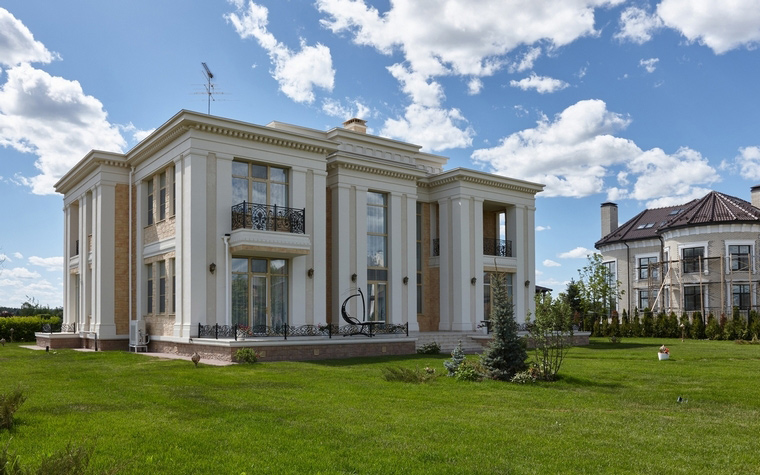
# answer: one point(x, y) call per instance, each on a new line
point(697, 326)
point(470, 370)
point(9, 404)
point(457, 357)
point(408, 375)
point(71, 460)
point(431, 348)
point(523, 377)
point(713, 330)
point(246, 355)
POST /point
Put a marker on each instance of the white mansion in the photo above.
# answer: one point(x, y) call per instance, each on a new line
point(216, 221)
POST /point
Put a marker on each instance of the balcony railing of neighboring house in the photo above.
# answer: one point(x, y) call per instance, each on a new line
point(261, 217)
point(436, 247)
point(497, 247)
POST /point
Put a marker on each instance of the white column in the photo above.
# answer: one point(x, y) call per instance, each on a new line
point(341, 247)
point(445, 265)
point(520, 250)
point(476, 304)
point(83, 257)
point(396, 258)
point(66, 260)
point(316, 217)
point(359, 238)
point(411, 263)
point(297, 309)
point(530, 260)
point(461, 269)
point(179, 235)
point(104, 241)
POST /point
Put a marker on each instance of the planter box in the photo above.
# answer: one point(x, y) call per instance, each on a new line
point(663, 356)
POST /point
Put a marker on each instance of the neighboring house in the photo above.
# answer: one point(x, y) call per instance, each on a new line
point(699, 256)
point(216, 221)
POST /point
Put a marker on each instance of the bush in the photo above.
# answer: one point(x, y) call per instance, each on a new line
point(431, 348)
point(470, 370)
point(754, 326)
point(246, 355)
point(24, 328)
point(660, 326)
point(527, 376)
point(712, 330)
point(408, 375)
point(697, 326)
point(647, 324)
point(457, 357)
point(9, 404)
point(551, 335)
point(71, 460)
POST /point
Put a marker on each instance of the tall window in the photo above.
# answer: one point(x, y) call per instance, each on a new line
point(149, 270)
point(645, 270)
point(259, 184)
point(643, 299)
point(487, 302)
point(162, 196)
point(150, 201)
point(611, 267)
point(740, 296)
point(419, 257)
point(162, 287)
point(377, 256)
point(692, 297)
point(739, 257)
point(692, 257)
point(260, 292)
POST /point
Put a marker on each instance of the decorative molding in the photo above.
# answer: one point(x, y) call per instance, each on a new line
point(432, 182)
point(372, 170)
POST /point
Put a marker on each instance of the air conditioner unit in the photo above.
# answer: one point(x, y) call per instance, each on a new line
point(137, 333)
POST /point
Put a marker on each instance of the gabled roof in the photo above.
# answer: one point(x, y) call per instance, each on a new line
point(713, 208)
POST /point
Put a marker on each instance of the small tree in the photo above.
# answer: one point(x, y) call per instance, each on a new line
point(551, 334)
point(457, 357)
point(506, 354)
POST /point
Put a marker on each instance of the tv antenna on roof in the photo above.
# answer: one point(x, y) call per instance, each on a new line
point(209, 85)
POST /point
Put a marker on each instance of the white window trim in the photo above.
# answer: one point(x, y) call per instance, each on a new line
point(744, 242)
point(636, 258)
point(705, 255)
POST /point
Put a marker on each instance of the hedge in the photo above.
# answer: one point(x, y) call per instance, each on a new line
point(25, 327)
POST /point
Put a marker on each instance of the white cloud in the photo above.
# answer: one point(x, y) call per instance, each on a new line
point(615, 194)
point(474, 86)
point(297, 73)
point(4, 258)
point(434, 128)
point(48, 263)
point(574, 153)
point(637, 26)
point(18, 255)
point(542, 228)
point(20, 273)
point(720, 25)
point(649, 64)
point(542, 84)
point(417, 86)
point(52, 118)
point(748, 161)
point(551, 263)
point(136, 134)
point(527, 60)
point(354, 108)
point(450, 36)
point(17, 44)
point(577, 253)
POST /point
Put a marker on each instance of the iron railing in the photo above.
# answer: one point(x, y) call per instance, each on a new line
point(262, 217)
point(497, 247)
point(59, 328)
point(239, 332)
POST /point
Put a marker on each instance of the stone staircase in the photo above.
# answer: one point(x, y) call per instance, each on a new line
point(449, 340)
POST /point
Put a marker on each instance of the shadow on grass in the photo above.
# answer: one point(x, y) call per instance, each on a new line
point(380, 360)
point(571, 382)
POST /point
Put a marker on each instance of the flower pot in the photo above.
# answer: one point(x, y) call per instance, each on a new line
point(663, 356)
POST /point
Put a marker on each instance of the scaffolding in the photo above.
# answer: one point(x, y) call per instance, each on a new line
point(669, 275)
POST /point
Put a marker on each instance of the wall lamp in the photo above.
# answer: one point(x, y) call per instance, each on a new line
point(212, 267)
point(353, 277)
point(406, 280)
point(310, 273)
point(474, 280)
point(527, 283)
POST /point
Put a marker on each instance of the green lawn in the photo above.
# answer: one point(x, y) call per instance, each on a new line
point(614, 411)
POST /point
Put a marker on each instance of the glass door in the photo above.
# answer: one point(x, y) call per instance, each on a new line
point(259, 301)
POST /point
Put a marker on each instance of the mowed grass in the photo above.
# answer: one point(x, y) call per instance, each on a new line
point(614, 410)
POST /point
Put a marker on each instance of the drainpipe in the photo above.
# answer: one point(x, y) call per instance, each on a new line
point(129, 252)
point(628, 275)
point(661, 267)
point(227, 294)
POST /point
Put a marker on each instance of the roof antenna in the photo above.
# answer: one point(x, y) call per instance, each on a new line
point(209, 85)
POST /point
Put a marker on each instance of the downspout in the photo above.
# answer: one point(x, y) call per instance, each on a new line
point(129, 252)
point(227, 294)
point(662, 268)
point(628, 275)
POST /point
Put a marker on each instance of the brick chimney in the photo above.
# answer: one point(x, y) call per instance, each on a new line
point(610, 218)
point(356, 125)
point(755, 194)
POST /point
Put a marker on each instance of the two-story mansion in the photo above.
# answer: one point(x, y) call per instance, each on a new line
point(699, 256)
point(216, 221)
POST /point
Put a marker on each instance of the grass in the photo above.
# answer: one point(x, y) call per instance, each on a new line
point(614, 410)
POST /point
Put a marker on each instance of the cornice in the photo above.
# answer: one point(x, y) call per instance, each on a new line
point(373, 170)
point(159, 143)
point(433, 182)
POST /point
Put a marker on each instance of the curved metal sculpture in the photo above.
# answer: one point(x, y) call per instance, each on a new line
point(365, 328)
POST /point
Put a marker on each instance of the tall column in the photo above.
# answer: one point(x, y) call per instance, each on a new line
point(84, 282)
point(446, 301)
point(359, 238)
point(297, 309)
point(476, 291)
point(520, 251)
point(315, 219)
point(461, 269)
point(104, 239)
point(179, 236)
point(410, 270)
point(396, 258)
point(342, 247)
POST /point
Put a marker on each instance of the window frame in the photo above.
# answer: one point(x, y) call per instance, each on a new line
point(690, 265)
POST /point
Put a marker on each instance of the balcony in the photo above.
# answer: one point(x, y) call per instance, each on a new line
point(497, 247)
point(259, 217)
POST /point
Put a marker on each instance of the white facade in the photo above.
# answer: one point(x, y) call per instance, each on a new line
point(176, 231)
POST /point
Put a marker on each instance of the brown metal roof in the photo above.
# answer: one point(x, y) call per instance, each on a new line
point(713, 208)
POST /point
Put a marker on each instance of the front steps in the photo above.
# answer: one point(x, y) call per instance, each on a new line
point(449, 340)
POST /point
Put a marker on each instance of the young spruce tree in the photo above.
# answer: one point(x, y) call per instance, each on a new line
point(506, 354)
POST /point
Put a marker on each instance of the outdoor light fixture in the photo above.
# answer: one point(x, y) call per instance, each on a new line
point(353, 277)
point(310, 273)
point(473, 280)
point(527, 283)
point(212, 267)
point(406, 280)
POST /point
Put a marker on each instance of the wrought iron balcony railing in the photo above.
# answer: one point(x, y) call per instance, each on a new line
point(497, 247)
point(261, 217)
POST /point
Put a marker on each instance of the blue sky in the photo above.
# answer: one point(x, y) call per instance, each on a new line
point(642, 103)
